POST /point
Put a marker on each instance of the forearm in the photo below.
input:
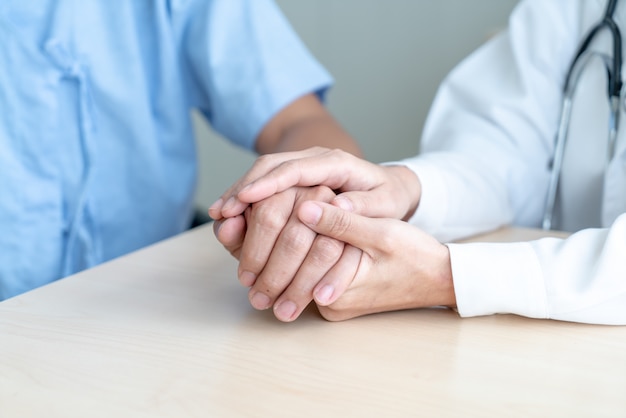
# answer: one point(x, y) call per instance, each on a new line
point(319, 130)
point(305, 123)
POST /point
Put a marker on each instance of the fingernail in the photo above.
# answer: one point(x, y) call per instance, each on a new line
point(324, 295)
point(260, 301)
point(247, 278)
point(311, 213)
point(285, 310)
point(216, 206)
point(343, 203)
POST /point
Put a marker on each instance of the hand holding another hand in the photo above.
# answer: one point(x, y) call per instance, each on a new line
point(365, 188)
point(400, 266)
point(284, 263)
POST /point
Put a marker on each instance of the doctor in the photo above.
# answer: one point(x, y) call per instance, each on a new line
point(487, 152)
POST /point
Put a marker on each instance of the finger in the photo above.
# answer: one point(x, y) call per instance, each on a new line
point(265, 222)
point(289, 250)
point(311, 171)
point(215, 210)
point(332, 168)
point(337, 223)
point(367, 203)
point(322, 256)
point(228, 199)
point(230, 233)
point(286, 256)
point(229, 204)
point(339, 278)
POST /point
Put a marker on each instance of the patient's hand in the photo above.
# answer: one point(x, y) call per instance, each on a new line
point(283, 262)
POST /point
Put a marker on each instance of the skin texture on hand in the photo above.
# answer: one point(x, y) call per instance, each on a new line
point(281, 260)
point(365, 188)
point(401, 267)
point(302, 124)
point(370, 189)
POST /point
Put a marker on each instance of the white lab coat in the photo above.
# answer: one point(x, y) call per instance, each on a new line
point(484, 163)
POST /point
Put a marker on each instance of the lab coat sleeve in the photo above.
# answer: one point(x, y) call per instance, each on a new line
point(489, 136)
point(580, 279)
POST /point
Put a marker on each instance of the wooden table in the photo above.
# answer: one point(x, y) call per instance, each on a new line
point(168, 332)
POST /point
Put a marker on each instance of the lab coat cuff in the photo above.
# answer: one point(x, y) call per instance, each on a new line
point(431, 210)
point(491, 278)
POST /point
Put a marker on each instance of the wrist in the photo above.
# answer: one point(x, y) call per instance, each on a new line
point(444, 282)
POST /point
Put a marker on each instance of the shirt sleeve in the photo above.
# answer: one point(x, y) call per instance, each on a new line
point(580, 279)
point(489, 136)
point(247, 63)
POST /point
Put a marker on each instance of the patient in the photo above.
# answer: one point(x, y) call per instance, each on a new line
point(97, 153)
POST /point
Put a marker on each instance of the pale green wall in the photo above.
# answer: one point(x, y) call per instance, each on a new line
point(387, 57)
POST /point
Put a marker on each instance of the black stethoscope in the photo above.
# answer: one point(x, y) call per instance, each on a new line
point(614, 70)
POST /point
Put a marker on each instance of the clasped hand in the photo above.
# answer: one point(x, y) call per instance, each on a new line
point(324, 225)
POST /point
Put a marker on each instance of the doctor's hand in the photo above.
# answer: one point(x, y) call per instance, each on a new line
point(281, 260)
point(400, 267)
point(363, 187)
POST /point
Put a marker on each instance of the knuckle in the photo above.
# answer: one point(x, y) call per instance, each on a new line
point(300, 291)
point(297, 238)
point(340, 224)
point(270, 285)
point(264, 161)
point(386, 242)
point(337, 154)
point(252, 262)
point(268, 216)
point(288, 165)
point(326, 250)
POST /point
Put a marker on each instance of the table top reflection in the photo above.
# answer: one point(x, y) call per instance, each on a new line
point(168, 331)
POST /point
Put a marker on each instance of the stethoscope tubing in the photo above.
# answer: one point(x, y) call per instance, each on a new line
point(614, 68)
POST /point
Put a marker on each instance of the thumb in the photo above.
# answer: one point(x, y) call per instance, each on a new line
point(329, 220)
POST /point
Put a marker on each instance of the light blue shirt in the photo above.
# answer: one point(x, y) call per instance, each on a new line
point(97, 156)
